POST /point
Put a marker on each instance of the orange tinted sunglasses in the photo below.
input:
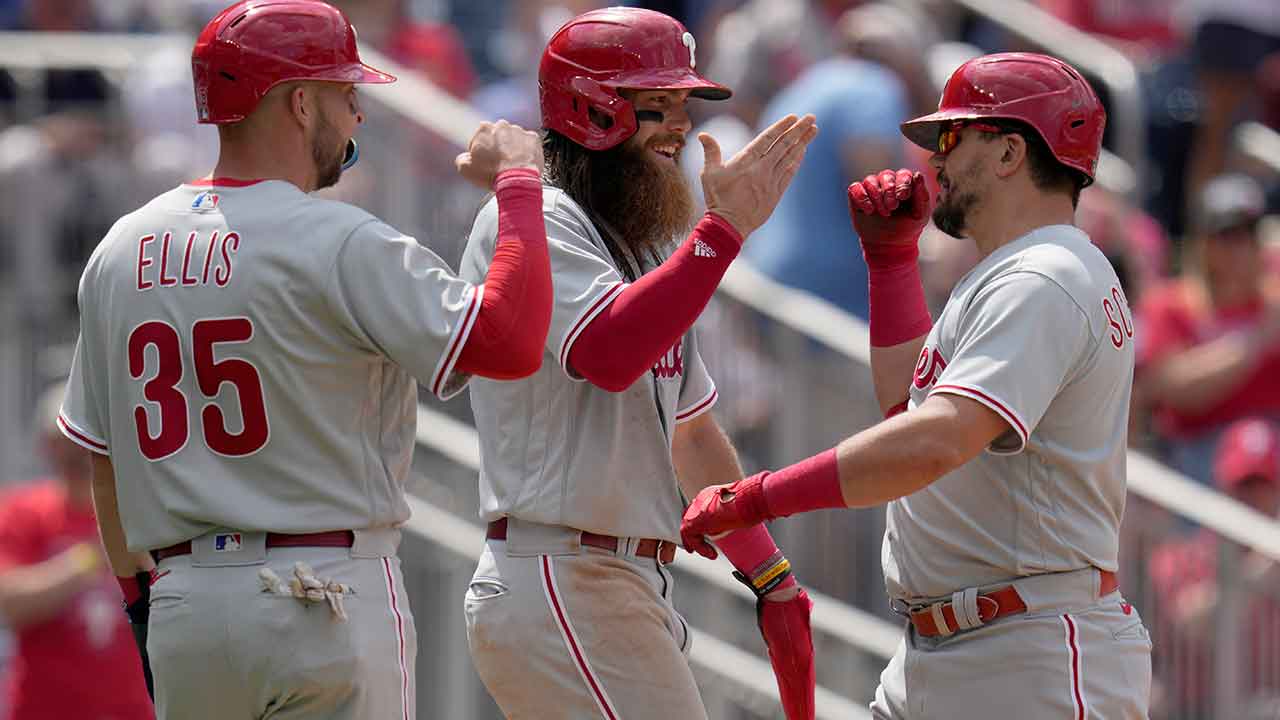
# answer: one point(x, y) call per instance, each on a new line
point(950, 135)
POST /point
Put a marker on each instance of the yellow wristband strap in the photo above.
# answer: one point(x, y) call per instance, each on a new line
point(85, 557)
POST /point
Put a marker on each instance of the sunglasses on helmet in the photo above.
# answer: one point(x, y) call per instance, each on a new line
point(949, 137)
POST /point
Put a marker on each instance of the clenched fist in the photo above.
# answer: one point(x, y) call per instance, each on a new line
point(889, 208)
point(745, 190)
point(496, 147)
point(721, 508)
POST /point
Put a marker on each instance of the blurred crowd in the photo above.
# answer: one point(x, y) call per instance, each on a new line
point(1190, 222)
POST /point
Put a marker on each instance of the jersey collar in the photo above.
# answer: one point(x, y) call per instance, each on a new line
point(225, 182)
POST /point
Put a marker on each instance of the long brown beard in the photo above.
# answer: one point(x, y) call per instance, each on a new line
point(647, 201)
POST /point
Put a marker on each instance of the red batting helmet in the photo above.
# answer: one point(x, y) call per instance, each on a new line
point(598, 52)
point(255, 45)
point(1041, 91)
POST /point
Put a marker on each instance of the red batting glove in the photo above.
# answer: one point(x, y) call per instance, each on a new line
point(889, 209)
point(785, 628)
point(721, 508)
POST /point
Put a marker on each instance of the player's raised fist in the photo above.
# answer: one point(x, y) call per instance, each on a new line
point(499, 146)
point(745, 190)
point(889, 207)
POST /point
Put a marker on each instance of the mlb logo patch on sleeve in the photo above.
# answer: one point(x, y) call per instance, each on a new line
point(226, 542)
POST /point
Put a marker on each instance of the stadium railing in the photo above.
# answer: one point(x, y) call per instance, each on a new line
point(793, 378)
point(1102, 63)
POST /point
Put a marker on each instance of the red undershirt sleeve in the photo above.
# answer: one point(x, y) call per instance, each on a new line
point(651, 314)
point(510, 329)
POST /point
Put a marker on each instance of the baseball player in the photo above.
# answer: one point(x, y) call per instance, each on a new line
point(1003, 456)
point(586, 464)
point(245, 379)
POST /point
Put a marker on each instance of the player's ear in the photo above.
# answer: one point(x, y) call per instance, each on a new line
point(1013, 152)
point(302, 103)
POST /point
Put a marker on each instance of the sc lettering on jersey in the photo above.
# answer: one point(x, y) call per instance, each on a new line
point(165, 272)
point(1117, 309)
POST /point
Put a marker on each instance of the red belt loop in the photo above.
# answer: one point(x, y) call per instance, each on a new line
point(664, 551)
point(332, 538)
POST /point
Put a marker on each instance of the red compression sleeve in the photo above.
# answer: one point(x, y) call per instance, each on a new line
point(811, 484)
point(510, 329)
point(651, 314)
point(898, 311)
point(754, 553)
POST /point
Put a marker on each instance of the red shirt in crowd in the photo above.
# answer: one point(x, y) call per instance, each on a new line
point(1179, 570)
point(81, 663)
point(1174, 317)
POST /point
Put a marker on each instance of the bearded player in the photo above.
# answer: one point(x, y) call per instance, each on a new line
point(586, 464)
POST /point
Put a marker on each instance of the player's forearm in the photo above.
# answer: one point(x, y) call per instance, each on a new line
point(895, 458)
point(123, 563)
point(702, 455)
point(38, 592)
point(890, 460)
point(506, 342)
point(650, 315)
point(1198, 378)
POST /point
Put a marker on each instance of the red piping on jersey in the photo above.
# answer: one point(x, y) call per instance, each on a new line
point(77, 435)
point(650, 315)
point(597, 305)
point(225, 182)
point(395, 611)
point(698, 408)
point(510, 331)
point(990, 402)
point(460, 337)
point(1077, 696)
point(571, 639)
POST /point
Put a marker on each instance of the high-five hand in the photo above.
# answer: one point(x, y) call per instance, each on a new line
point(496, 147)
point(745, 190)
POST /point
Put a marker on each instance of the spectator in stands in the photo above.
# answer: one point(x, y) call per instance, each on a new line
point(764, 45)
point(806, 243)
point(75, 654)
point(432, 48)
point(1132, 240)
point(1184, 574)
point(517, 50)
point(1230, 42)
point(1144, 30)
point(1209, 341)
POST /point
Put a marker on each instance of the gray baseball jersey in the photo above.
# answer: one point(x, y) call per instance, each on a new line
point(1040, 332)
point(557, 450)
point(247, 357)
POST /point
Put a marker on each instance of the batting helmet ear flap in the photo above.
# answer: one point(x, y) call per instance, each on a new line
point(617, 117)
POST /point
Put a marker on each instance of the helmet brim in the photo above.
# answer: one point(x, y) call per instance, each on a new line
point(924, 130)
point(364, 73)
point(671, 79)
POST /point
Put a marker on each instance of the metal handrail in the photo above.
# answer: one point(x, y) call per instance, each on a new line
point(1090, 55)
point(459, 442)
point(728, 663)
